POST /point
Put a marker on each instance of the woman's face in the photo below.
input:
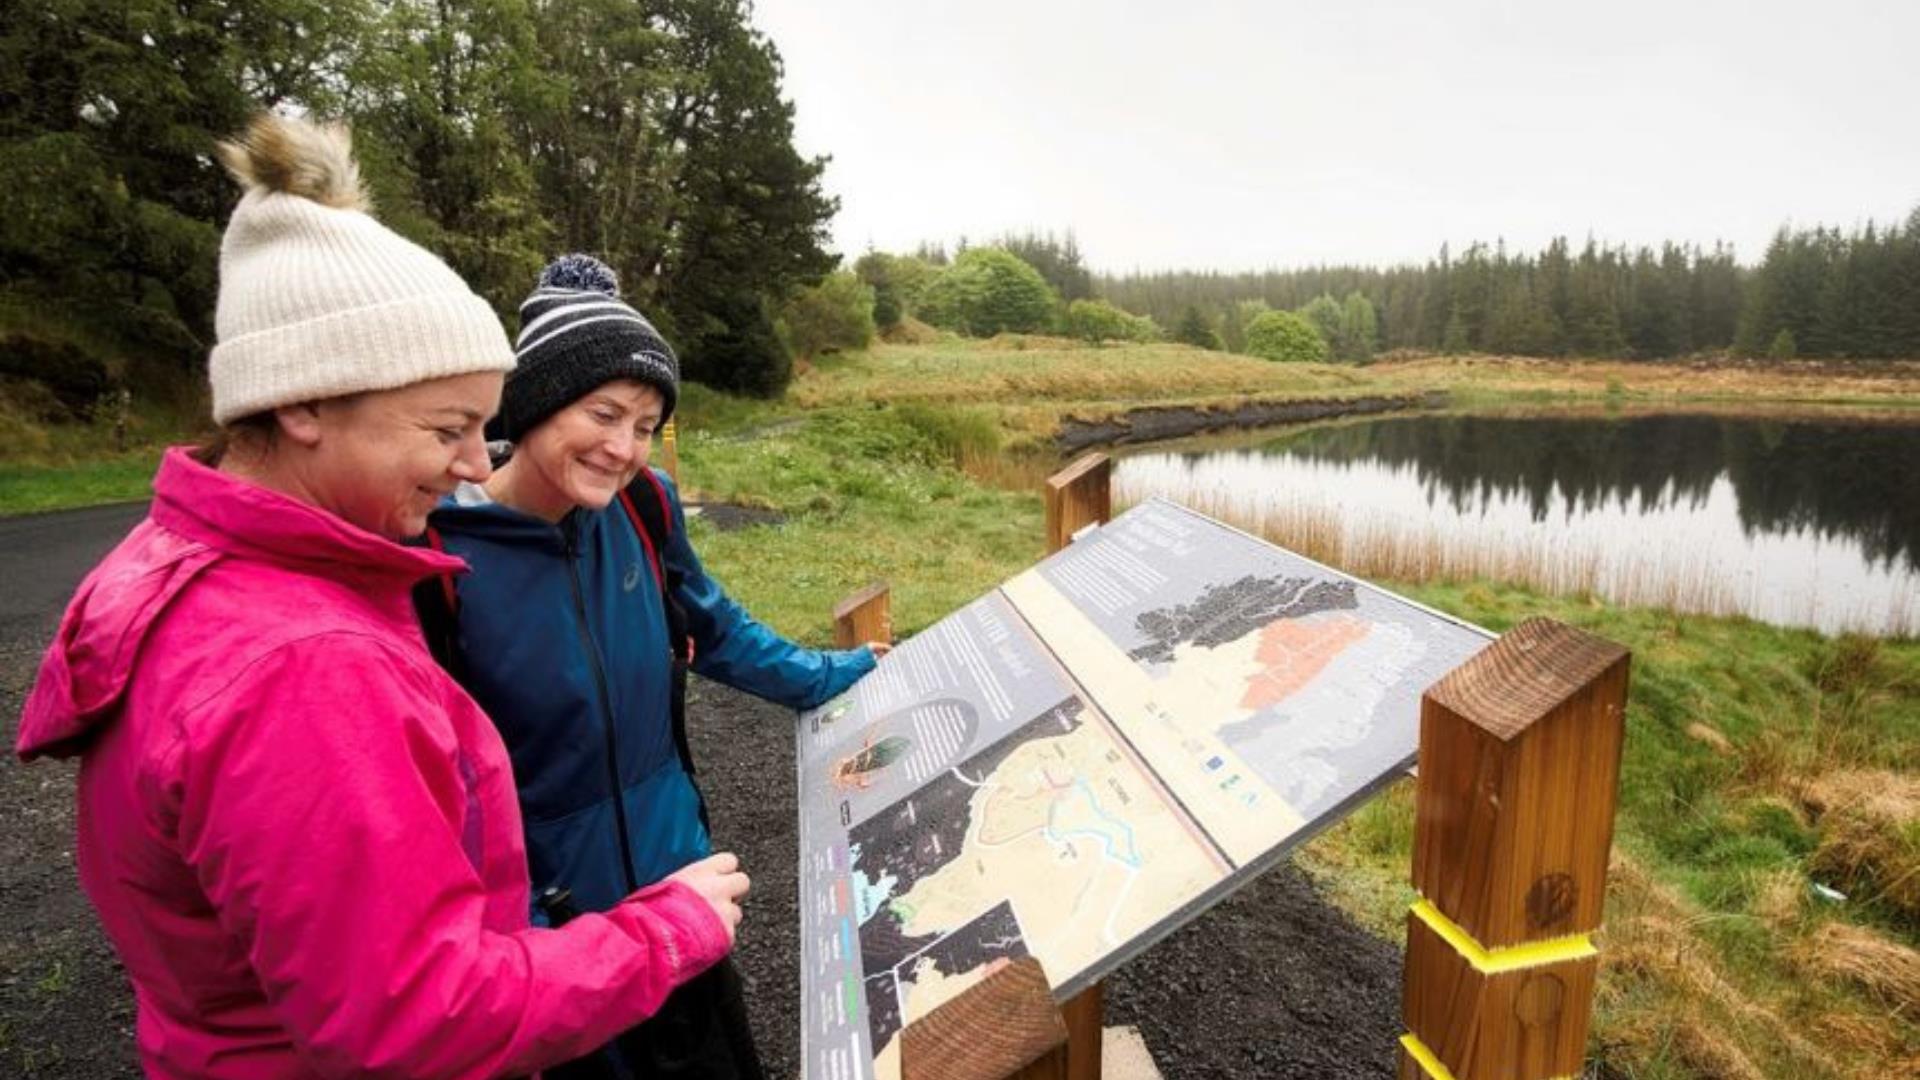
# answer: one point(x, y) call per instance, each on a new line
point(587, 452)
point(382, 459)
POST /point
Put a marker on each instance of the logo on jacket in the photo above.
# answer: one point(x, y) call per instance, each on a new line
point(628, 583)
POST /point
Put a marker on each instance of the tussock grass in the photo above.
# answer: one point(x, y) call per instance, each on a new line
point(1886, 969)
point(1870, 835)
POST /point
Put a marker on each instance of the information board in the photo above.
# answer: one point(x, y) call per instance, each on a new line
point(1075, 764)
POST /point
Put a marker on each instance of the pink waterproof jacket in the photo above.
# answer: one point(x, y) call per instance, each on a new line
point(301, 836)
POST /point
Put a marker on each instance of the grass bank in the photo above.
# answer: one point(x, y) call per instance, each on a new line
point(1764, 908)
point(1026, 385)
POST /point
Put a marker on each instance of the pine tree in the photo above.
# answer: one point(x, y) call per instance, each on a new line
point(1193, 329)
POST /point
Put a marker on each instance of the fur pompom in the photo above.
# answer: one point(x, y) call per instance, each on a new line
point(297, 157)
point(583, 273)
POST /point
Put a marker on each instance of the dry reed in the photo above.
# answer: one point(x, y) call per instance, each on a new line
point(1886, 969)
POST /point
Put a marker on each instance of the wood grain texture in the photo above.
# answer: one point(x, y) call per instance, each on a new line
point(1519, 779)
point(1080, 1057)
point(864, 616)
point(1001, 1025)
point(1529, 1024)
point(1077, 496)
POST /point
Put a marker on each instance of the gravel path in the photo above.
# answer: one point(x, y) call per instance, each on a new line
point(1272, 983)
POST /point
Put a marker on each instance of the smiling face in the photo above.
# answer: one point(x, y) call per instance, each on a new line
point(585, 453)
point(382, 459)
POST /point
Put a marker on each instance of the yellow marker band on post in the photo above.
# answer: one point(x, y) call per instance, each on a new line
point(1429, 1061)
point(1418, 1051)
point(1511, 958)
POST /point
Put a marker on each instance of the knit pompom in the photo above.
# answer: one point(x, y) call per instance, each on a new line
point(580, 272)
point(297, 157)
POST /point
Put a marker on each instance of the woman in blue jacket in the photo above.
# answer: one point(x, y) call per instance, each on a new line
point(583, 610)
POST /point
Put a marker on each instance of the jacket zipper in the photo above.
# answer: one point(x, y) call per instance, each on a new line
point(606, 704)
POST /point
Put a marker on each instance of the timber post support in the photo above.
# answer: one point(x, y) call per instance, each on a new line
point(670, 451)
point(1519, 779)
point(1078, 496)
point(866, 615)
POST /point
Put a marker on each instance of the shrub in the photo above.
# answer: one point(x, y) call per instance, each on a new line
point(1098, 321)
point(836, 314)
point(1783, 347)
point(986, 292)
point(1282, 335)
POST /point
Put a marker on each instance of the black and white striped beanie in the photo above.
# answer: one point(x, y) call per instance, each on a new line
point(576, 334)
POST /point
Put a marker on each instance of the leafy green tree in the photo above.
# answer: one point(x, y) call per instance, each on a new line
point(1359, 329)
point(834, 315)
point(1283, 335)
point(1233, 329)
point(988, 291)
point(437, 87)
point(1193, 329)
point(1058, 261)
point(1323, 312)
point(898, 281)
point(1098, 321)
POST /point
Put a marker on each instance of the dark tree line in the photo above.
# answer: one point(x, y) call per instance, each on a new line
point(1835, 479)
point(1830, 294)
point(497, 132)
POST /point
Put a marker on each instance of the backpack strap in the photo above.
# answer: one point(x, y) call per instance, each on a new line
point(437, 602)
point(651, 513)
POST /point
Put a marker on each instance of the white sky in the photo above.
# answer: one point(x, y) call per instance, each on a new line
point(1221, 135)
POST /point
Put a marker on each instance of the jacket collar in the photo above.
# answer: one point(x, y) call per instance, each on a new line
point(238, 517)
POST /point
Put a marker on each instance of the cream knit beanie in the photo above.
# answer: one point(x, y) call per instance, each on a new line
point(317, 299)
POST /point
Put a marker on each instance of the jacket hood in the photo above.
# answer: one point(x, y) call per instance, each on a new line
point(200, 516)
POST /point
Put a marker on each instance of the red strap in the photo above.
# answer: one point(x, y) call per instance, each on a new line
point(446, 580)
point(660, 492)
point(640, 527)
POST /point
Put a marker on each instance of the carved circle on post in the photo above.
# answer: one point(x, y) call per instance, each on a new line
point(1540, 999)
point(1551, 900)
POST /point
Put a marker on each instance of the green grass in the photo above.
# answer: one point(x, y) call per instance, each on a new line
point(28, 489)
point(1718, 957)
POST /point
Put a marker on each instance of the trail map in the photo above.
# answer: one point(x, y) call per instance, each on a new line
point(1078, 762)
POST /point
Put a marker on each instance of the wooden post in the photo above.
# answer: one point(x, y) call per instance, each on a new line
point(1004, 1025)
point(670, 451)
point(1077, 496)
point(864, 616)
point(1519, 777)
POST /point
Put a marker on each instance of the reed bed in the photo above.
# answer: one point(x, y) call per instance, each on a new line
point(1416, 549)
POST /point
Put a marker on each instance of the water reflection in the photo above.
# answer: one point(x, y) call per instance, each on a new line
point(1810, 522)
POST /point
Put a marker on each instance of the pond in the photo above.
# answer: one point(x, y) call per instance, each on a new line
point(1798, 520)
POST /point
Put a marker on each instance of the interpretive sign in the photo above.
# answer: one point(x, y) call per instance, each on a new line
point(1075, 764)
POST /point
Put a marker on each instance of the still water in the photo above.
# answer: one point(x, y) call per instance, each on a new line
point(1799, 521)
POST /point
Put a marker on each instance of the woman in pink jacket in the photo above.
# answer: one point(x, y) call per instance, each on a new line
point(301, 836)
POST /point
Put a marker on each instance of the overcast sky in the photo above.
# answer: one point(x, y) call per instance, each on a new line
point(1234, 135)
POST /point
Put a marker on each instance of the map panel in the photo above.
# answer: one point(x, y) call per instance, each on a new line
point(1076, 763)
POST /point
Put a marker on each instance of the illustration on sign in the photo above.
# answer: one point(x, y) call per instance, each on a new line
point(1073, 765)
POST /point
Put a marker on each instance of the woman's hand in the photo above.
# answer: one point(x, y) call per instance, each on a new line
point(718, 880)
point(879, 648)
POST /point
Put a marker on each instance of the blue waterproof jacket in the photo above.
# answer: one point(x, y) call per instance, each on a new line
point(561, 635)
